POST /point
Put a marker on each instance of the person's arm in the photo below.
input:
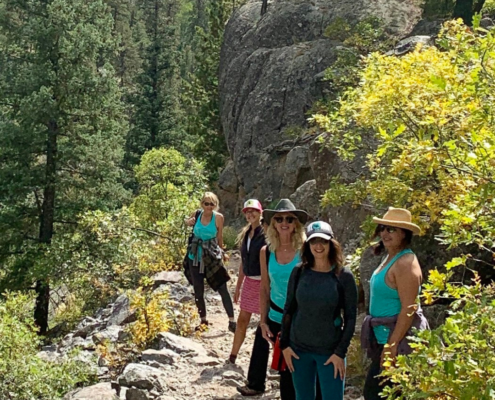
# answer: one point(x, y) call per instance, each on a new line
point(407, 276)
point(240, 279)
point(350, 294)
point(219, 222)
point(264, 297)
point(191, 220)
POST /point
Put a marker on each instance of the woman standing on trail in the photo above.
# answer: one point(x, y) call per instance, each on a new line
point(251, 240)
point(394, 290)
point(206, 258)
point(315, 334)
point(285, 235)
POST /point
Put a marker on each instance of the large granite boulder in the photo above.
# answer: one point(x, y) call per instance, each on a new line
point(270, 76)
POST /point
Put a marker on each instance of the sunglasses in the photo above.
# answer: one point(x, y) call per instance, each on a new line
point(318, 240)
point(289, 220)
point(208, 204)
point(389, 229)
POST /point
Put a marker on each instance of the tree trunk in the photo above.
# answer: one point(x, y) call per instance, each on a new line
point(46, 225)
point(464, 9)
point(264, 7)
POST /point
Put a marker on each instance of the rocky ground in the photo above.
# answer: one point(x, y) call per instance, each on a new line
point(176, 368)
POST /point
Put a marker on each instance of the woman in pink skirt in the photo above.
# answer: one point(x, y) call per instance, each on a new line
point(251, 240)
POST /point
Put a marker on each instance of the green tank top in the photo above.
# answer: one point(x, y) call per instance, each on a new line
point(384, 301)
point(204, 232)
point(279, 279)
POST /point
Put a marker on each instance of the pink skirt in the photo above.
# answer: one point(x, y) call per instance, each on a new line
point(250, 295)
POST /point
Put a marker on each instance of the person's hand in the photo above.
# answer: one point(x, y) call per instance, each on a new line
point(225, 256)
point(190, 221)
point(267, 334)
point(338, 366)
point(237, 294)
point(288, 354)
point(389, 353)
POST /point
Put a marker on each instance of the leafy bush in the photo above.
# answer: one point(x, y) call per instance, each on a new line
point(170, 189)
point(432, 112)
point(489, 8)
point(23, 375)
point(454, 361)
point(435, 135)
point(152, 318)
point(229, 238)
point(156, 313)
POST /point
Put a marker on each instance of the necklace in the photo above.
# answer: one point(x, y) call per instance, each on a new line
point(285, 245)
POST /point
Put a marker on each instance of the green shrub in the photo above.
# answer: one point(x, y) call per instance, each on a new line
point(23, 375)
point(454, 361)
point(489, 8)
point(229, 238)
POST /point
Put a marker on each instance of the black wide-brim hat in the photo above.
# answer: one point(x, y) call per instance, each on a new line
point(285, 206)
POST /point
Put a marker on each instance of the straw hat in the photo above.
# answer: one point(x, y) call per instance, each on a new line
point(285, 206)
point(398, 217)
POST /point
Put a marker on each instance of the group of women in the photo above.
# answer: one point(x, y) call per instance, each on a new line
point(294, 277)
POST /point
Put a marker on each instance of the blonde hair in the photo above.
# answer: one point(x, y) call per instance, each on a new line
point(212, 197)
point(242, 234)
point(297, 239)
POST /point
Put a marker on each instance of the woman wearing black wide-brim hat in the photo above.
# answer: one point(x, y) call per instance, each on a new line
point(285, 235)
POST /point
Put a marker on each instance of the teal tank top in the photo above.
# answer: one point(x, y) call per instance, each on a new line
point(384, 301)
point(279, 279)
point(204, 232)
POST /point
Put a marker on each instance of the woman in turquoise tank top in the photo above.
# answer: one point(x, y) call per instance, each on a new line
point(394, 288)
point(285, 235)
point(208, 238)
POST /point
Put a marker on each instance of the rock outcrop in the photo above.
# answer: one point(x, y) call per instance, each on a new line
point(271, 74)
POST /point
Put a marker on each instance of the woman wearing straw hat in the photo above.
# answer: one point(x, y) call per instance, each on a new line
point(394, 289)
point(251, 240)
point(285, 235)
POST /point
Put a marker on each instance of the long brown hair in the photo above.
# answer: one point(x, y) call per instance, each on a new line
point(335, 256)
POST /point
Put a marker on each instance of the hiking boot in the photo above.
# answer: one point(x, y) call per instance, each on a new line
point(231, 360)
point(232, 326)
point(248, 392)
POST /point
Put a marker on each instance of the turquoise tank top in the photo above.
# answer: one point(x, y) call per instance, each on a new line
point(384, 301)
point(204, 232)
point(279, 279)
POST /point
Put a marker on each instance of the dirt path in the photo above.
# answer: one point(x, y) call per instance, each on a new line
point(217, 379)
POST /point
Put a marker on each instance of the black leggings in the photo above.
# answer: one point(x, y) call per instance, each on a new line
point(374, 385)
point(199, 293)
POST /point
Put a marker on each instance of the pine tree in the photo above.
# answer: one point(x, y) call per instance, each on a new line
point(62, 126)
point(156, 120)
point(202, 98)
